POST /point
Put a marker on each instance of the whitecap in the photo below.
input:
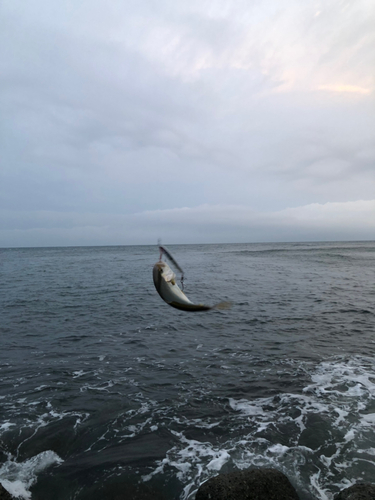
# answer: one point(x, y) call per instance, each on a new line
point(5, 426)
point(245, 407)
point(18, 477)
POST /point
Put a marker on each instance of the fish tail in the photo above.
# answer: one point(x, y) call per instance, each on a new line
point(223, 305)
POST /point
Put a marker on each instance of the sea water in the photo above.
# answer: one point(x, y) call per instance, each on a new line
point(106, 391)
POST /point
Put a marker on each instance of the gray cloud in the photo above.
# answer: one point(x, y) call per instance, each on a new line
point(223, 223)
point(115, 110)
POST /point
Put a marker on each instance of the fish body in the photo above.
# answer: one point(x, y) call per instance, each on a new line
point(169, 291)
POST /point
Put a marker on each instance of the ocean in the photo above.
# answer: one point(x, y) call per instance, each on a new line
point(108, 392)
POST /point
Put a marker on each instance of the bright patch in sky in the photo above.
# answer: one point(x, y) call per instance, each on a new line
point(345, 88)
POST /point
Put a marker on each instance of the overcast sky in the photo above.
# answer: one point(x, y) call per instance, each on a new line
point(122, 122)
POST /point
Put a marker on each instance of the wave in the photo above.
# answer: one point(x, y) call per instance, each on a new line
point(18, 477)
point(318, 437)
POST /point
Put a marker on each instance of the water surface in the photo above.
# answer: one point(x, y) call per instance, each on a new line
point(105, 389)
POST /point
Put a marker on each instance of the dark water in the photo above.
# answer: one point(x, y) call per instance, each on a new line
point(107, 392)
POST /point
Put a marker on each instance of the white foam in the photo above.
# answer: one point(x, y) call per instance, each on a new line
point(217, 463)
point(370, 451)
point(245, 407)
point(5, 426)
point(342, 414)
point(16, 488)
point(98, 387)
point(350, 435)
point(196, 422)
point(368, 420)
point(183, 467)
point(315, 483)
point(18, 477)
point(278, 449)
point(136, 429)
point(340, 394)
point(41, 387)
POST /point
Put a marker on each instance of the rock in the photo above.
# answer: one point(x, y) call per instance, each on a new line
point(4, 495)
point(357, 492)
point(316, 433)
point(250, 484)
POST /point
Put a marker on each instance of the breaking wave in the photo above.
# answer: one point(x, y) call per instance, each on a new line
point(320, 437)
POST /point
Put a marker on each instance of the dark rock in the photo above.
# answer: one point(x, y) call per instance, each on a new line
point(357, 492)
point(4, 495)
point(250, 484)
point(316, 433)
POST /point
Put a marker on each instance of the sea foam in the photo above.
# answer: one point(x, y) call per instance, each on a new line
point(18, 477)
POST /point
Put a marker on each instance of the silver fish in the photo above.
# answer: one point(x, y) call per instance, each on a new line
point(169, 291)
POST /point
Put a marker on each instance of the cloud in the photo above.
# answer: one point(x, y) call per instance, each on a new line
point(345, 88)
point(123, 108)
point(201, 224)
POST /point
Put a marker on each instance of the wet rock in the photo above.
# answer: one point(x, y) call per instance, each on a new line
point(357, 492)
point(250, 484)
point(4, 495)
point(316, 433)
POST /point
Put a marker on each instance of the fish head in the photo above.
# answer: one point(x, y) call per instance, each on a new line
point(162, 272)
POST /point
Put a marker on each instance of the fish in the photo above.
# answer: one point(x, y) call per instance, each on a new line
point(165, 284)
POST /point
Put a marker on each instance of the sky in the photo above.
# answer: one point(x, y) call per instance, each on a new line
point(126, 121)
